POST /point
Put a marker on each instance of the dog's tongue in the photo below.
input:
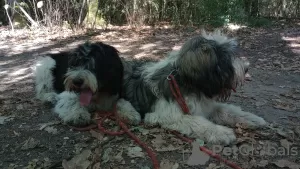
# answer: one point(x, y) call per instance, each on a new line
point(85, 97)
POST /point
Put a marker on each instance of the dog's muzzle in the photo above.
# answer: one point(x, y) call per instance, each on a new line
point(78, 86)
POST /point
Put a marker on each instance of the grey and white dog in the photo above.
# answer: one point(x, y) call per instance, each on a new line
point(206, 69)
point(80, 81)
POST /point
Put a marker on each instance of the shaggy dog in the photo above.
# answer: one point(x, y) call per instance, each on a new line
point(80, 81)
point(206, 69)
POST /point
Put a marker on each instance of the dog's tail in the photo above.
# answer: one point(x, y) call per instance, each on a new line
point(44, 80)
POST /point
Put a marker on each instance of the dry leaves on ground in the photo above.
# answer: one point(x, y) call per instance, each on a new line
point(286, 163)
point(99, 136)
point(166, 164)
point(263, 163)
point(5, 119)
point(29, 144)
point(279, 104)
point(293, 94)
point(79, 161)
point(135, 152)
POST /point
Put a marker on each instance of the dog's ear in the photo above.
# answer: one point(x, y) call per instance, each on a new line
point(231, 45)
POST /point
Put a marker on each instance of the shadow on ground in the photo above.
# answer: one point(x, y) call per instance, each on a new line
point(273, 53)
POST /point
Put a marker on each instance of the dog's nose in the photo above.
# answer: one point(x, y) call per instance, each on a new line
point(78, 82)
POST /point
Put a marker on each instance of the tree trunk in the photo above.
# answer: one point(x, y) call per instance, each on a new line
point(247, 7)
point(80, 19)
point(160, 9)
point(254, 8)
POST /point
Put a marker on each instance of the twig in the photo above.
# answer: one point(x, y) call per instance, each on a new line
point(27, 15)
point(11, 24)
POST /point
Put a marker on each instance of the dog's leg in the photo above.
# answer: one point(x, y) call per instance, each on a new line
point(44, 80)
point(126, 111)
point(227, 114)
point(169, 115)
point(70, 111)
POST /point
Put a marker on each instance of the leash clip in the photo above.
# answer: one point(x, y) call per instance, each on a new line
point(172, 73)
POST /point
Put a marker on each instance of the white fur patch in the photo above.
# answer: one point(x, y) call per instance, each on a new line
point(128, 112)
point(219, 37)
point(69, 109)
point(201, 123)
point(44, 79)
point(89, 78)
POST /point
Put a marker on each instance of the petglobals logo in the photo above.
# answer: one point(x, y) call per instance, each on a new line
point(197, 157)
point(268, 149)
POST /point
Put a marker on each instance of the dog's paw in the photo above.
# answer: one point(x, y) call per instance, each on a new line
point(127, 112)
point(221, 135)
point(79, 119)
point(253, 122)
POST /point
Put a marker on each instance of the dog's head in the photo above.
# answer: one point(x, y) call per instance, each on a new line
point(87, 69)
point(210, 62)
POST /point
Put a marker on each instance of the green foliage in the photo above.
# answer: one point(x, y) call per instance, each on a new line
point(150, 12)
point(94, 16)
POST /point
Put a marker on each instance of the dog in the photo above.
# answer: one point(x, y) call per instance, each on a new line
point(206, 68)
point(80, 81)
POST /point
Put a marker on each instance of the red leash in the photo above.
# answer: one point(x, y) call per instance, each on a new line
point(124, 129)
point(177, 94)
point(185, 109)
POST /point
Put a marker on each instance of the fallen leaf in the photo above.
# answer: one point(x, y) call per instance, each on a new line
point(96, 166)
point(260, 103)
point(44, 125)
point(107, 155)
point(170, 147)
point(263, 163)
point(284, 106)
point(29, 144)
point(287, 133)
point(166, 164)
point(4, 119)
point(293, 93)
point(135, 152)
point(96, 135)
point(252, 164)
point(176, 140)
point(79, 161)
point(32, 164)
point(158, 141)
point(285, 143)
point(51, 130)
point(46, 163)
point(119, 158)
point(12, 166)
point(156, 130)
point(197, 157)
point(20, 107)
point(213, 166)
point(297, 130)
point(145, 132)
point(286, 163)
point(16, 134)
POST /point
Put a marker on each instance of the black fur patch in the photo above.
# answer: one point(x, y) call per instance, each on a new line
point(107, 66)
point(135, 90)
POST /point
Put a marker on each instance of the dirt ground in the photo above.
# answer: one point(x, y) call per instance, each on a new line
point(32, 137)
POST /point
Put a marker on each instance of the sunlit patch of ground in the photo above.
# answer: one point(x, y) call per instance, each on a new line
point(34, 136)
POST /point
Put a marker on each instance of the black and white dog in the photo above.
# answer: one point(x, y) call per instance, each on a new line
point(80, 81)
point(206, 69)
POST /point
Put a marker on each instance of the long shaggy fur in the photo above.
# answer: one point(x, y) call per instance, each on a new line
point(92, 67)
point(206, 69)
